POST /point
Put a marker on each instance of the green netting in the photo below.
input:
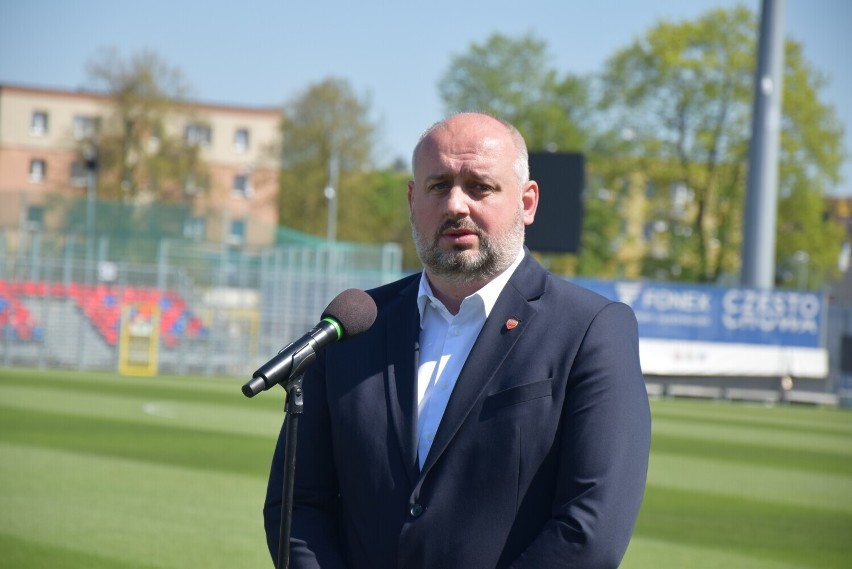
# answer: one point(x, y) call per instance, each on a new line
point(86, 242)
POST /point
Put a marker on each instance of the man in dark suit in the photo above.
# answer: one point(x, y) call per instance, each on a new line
point(494, 415)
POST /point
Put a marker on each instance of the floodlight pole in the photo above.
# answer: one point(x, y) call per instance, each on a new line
point(331, 195)
point(761, 207)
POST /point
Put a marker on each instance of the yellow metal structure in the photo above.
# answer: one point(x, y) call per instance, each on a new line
point(139, 340)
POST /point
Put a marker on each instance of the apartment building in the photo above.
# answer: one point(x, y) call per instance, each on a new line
point(41, 131)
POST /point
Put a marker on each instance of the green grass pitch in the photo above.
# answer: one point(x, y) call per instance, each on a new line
point(99, 471)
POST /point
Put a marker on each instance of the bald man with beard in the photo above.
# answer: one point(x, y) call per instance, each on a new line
point(494, 416)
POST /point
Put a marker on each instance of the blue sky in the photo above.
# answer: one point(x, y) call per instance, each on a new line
point(263, 52)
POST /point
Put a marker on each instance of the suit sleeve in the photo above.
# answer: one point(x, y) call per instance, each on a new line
point(314, 542)
point(605, 442)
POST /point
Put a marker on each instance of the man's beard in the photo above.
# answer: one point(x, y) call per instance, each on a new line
point(464, 266)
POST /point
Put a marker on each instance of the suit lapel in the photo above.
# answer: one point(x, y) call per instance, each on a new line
point(492, 347)
point(402, 330)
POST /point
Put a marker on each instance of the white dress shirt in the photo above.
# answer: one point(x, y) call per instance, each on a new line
point(445, 342)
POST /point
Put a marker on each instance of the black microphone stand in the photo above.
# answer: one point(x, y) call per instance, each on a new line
point(294, 408)
point(358, 312)
point(293, 365)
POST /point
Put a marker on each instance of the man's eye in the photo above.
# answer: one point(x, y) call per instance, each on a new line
point(439, 186)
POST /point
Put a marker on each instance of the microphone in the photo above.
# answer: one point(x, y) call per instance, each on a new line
point(351, 312)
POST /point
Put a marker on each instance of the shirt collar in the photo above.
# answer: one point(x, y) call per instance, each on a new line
point(487, 294)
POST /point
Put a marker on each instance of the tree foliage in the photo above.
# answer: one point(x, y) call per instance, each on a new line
point(684, 92)
point(327, 141)
point(512, 78)
point(138, 156)
point(808, 241)
point(376, 211)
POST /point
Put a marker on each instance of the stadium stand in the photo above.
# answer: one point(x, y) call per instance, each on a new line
point(16, 321)
point(101, 304)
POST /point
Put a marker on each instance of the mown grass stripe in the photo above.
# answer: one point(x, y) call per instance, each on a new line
point(198, 449)
point(787, 436)
point(799, 419)
point(798, 458)
point(237, 417)
point(778, 435)
point(809, 537)
point(210, 390)
point(16, 552)
point(812, 489)
point(648, 553)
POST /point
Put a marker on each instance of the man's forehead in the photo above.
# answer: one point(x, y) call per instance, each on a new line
point(484, 157)
point(470, 142)
point(464, 144)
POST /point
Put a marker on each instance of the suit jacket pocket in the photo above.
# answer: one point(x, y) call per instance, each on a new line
point(516, 395)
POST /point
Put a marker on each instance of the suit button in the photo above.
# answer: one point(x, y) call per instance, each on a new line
point(416, 510)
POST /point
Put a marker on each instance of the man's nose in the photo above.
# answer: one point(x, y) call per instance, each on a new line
point(457, 202)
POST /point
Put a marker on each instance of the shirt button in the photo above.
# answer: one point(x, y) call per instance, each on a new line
point(416, 510)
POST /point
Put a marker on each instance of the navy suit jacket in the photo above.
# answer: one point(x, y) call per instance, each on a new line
point(539, 461)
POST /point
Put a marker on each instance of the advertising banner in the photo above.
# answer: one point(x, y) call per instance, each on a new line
point(708, 330)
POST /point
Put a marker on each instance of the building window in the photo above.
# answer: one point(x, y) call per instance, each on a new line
point(190, 186)
point(194, 228)
point(681, 198)
point(237, 234)
point(35, 217)
point(242, 186)
point(196, 182)
point(38, 126)
point(241, 140)
point(38, 170)
point(78, 173)
point(199, 134)
point(85, 127)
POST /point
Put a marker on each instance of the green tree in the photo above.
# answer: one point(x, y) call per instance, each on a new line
point(606, 249)
point(138, 156)
point(684, 91)
point(808, 241)
point(377, 212)
point(327, 141)
point(512, 78)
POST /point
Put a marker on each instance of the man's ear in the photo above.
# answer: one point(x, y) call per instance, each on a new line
point(529, 199)
point(410, 192)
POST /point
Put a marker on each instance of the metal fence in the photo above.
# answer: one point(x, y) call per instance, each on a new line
point(238, 306)
point(224, 310)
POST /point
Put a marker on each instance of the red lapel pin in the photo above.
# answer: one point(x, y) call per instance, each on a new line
point(511, 323)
